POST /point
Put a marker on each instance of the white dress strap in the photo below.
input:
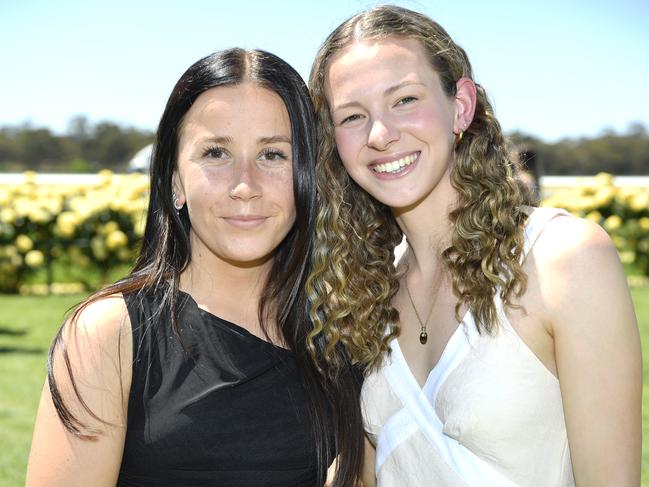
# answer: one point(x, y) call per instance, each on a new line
point(536, 222)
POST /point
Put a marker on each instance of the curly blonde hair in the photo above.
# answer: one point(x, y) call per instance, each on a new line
point(354, 277)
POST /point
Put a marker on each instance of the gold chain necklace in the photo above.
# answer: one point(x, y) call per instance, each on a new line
point(423, 335)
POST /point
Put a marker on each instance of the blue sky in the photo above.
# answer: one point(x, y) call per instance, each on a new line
point(553, 69)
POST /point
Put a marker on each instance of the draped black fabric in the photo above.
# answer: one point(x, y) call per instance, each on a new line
point(223, 407)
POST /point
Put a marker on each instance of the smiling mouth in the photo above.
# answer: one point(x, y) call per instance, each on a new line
point(395, 166)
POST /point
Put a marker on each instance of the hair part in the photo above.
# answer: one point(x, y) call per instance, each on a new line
point(354, 278)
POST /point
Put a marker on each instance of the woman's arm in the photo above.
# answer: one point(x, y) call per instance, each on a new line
point(100, 355)
point(597, 349)
point(368, 474)
point(368, 478)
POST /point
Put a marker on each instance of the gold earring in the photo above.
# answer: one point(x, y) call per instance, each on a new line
point(458, 137)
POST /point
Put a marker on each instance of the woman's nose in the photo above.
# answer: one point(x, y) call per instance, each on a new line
point(382, 134)
point(245, 185)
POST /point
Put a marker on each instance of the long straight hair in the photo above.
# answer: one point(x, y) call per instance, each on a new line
point(166, 251)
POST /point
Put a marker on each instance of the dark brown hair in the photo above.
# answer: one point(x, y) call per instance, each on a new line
point(166, 251)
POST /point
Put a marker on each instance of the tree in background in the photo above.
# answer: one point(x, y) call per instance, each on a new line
point(85, 147)
point(620, 154)
point(88, 147)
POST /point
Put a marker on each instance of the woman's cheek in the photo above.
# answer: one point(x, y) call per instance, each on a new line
point(346, 143)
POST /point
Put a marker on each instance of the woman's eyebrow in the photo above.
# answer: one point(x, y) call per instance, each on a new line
point(389, 91)
point(274, 139)
point(398, 86)
point(217, 139)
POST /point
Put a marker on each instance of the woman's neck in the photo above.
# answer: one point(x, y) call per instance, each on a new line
point(427, 228)
point(226, 289)
point(200, 280)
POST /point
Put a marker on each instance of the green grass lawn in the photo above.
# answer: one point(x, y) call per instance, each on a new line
point(641, 301)
point(27, 326)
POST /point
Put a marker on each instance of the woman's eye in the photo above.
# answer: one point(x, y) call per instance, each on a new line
point(215, 153)
point(406, 99)
point(273, 155)
point(351, 118)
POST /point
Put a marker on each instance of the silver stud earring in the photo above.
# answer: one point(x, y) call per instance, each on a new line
point(175, 202)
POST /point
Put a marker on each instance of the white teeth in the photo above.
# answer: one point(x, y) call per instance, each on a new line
point(395, 166)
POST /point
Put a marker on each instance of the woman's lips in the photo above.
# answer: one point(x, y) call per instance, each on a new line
point(395, 166)
point(245, 221)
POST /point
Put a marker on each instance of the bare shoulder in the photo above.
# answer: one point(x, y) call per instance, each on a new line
point(569, 242)
point(104, 314)
point(95, 345)
point(105, 321)
point(580, 276)
point(573, 255)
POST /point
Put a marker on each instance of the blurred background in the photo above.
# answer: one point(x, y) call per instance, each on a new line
point(83, 85)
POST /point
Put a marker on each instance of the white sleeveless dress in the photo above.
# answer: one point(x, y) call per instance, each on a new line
point(490, 413)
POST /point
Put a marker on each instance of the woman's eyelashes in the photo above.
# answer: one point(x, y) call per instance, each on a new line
point(273, 155)
point(215, 152)
point(269, 154)
point(350, 119)
point(406, 100)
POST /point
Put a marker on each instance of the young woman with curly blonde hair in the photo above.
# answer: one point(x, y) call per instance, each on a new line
point(502, 348)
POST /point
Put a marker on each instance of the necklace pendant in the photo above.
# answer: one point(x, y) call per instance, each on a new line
point(423, 337)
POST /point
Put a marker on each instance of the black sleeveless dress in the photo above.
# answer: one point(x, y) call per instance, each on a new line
point(227, 410)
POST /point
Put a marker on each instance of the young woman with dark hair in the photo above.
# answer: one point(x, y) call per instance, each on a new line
point(501, 349)
point(193, 369)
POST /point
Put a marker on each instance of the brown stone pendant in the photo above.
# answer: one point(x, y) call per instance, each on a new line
point(423, 337)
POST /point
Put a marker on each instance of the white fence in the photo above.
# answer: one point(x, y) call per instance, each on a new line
point(552, 182)
point(19, 178)
point(548, 183)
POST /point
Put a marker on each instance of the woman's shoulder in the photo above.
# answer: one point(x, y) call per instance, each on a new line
point(103, 318)
point(577, 270)
point(90, 362)
point(98, 332)
point(567, 241)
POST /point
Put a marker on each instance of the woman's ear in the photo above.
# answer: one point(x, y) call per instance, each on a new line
point(465, 102)
point(177, 189)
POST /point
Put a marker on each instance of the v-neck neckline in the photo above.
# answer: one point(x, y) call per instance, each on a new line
point(460, 337)
point(467, 322)
point(419, 411)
